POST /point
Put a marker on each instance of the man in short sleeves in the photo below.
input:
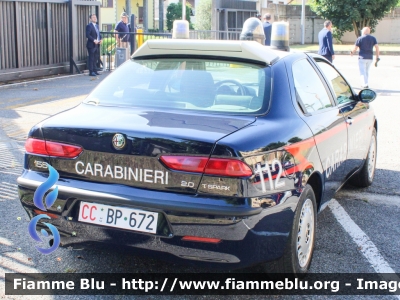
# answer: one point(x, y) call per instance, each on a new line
point(366, 43)
point(122, 30)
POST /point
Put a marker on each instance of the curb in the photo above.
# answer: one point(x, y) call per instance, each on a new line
point(32, 80)
point(348, 52)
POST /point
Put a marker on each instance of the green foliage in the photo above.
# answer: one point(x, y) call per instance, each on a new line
point(352, 15)
point(203, 15)
point(174, 12)
point(152, 37)
point(107, 45)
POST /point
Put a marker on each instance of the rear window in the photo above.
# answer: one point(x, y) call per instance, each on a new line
point(187, 84)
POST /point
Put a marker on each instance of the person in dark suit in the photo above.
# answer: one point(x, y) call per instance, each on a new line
point(267, 29)
point(93, 42)
point(325, 42)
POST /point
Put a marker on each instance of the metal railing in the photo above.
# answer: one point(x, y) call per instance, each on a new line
point(47, 37)
point(130, 40)
point(214, 35)
point(133, 40)
point(42, 37)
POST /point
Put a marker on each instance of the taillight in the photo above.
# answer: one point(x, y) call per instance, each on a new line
point(194, 164)
point(227, 167)
point(63, 150)
point(35, 146)
point(212, 166)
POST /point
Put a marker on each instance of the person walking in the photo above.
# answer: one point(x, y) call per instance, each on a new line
point(326, 42)
point(122, 28)
point(366, 43)
point(267, 29)
point(93, 41)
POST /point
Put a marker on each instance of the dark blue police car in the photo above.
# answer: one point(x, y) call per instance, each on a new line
point(220, 152)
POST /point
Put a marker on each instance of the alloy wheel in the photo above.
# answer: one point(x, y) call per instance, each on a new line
point(305, 234)
point(371, 158)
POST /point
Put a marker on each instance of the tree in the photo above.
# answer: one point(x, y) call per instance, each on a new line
point(174, 12)
point(348, 15)
point(203, 15)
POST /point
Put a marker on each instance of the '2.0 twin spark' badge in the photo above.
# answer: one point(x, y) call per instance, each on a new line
point(118, 141)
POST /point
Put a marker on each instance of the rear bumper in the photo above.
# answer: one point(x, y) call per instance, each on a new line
point(249, 234)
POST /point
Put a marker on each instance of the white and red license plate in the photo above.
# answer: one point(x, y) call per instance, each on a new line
point(119, 217)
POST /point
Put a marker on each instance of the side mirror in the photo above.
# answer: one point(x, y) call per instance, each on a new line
point(366, 95)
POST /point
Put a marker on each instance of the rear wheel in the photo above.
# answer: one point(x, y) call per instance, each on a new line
point(298, 253)
point(365, 176)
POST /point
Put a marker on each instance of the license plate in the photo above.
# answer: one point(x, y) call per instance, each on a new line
point(119, 217)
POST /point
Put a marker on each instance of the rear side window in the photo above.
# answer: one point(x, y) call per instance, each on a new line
point(187, 84)
point(339, 85)
point(309, 88)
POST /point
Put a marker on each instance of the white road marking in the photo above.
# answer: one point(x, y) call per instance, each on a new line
point(368, 249)
point(365, 245)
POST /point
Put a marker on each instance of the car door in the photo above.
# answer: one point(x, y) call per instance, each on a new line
point(325, 120)
point(355, 113)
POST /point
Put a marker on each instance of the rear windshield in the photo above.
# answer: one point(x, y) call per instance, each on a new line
point(187, 84)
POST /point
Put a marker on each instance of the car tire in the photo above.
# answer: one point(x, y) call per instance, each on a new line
point(299, 250)
point(365, 176)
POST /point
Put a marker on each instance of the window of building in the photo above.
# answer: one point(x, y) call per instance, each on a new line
point(106, 27)
point(140, 15)
point(107, 3)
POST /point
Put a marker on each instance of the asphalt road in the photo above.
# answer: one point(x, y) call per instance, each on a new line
point(357, 233)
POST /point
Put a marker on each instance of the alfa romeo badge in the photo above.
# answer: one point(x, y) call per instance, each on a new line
point(118, 141)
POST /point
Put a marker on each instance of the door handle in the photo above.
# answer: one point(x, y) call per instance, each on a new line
point(349, 121)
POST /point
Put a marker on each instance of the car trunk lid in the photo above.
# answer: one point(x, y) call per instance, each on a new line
point(123, 145)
